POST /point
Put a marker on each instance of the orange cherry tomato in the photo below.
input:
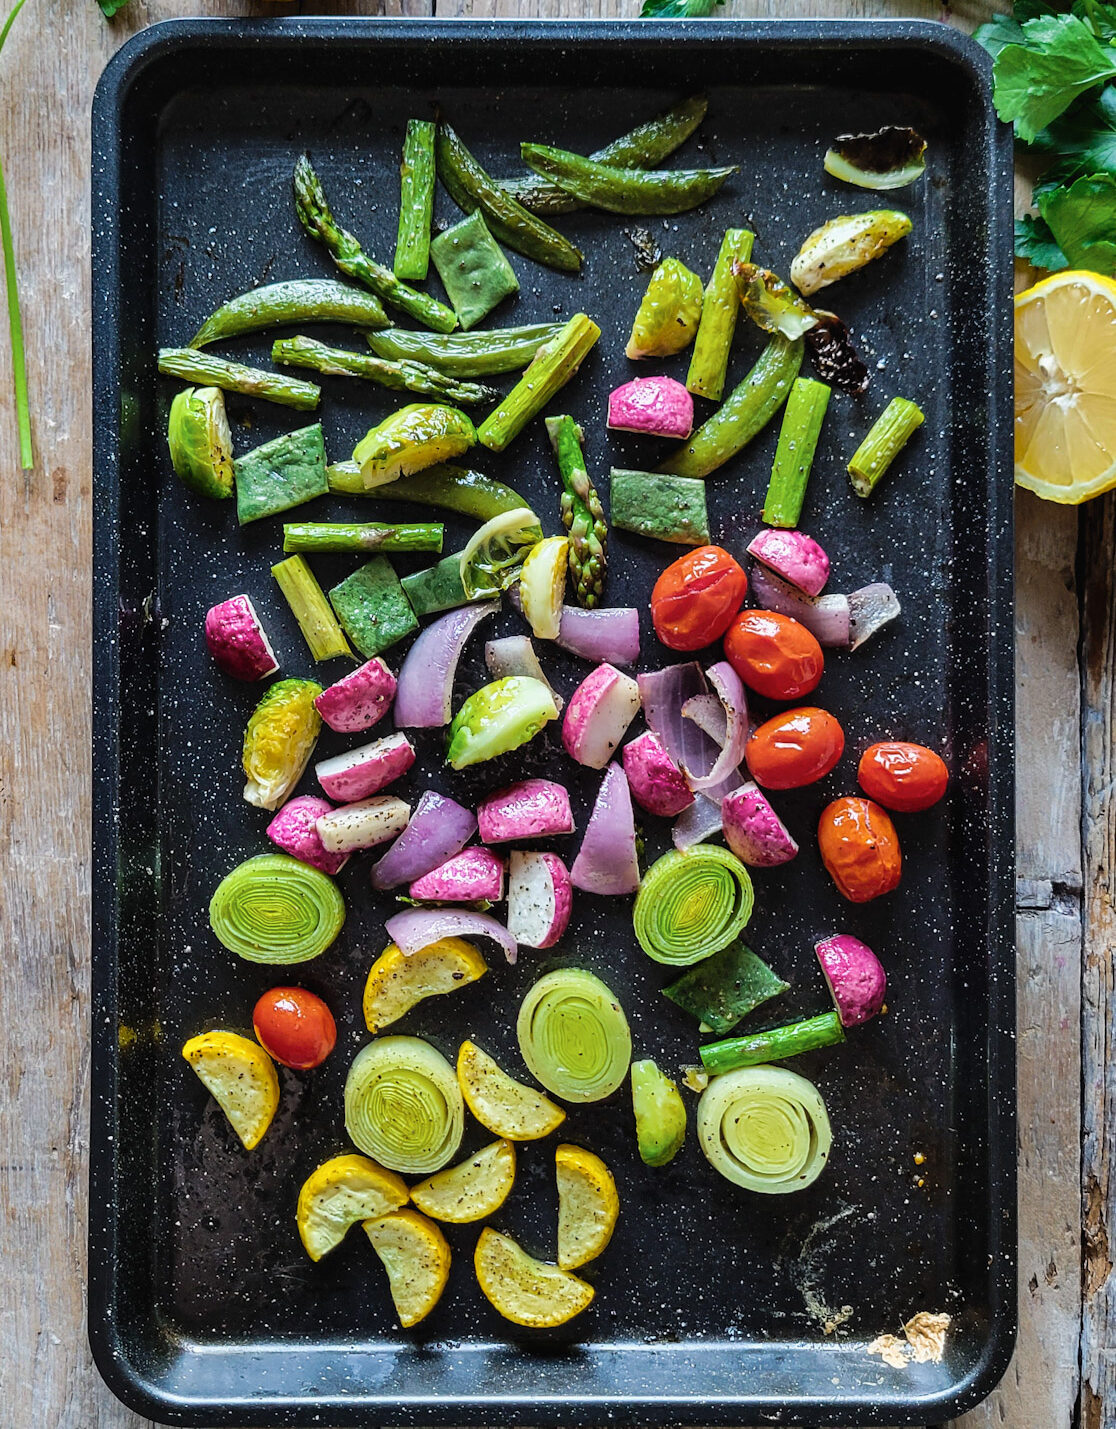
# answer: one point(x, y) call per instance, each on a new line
point(696, 597)
point(860, 848)
point(294, 1026)
point(901, 776)
point(795, 748)
point(774, 655)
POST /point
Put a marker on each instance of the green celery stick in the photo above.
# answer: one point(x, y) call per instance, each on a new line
point(552, 367)
point(311, 609)
point(890, 433)
point(794, 456)
point(416, 201)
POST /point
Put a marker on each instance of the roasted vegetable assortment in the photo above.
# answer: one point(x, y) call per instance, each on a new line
point(454, 876)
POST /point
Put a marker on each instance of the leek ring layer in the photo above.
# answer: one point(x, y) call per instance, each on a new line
point(692, 904)
point(276, 909)
point(403, 1105)
point(574, 1036)
point(764, 1128)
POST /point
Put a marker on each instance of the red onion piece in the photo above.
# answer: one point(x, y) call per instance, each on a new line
point(708, 713)
point(730, 691)
point(665, 694)
point(606, 862)
point(601, 635)
point(826, 617)
point(870, 609)
point(697, 823)
point(416, 928)
point(439, 828)
point(424, 694)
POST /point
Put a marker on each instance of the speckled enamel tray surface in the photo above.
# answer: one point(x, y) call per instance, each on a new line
point(203, 1307)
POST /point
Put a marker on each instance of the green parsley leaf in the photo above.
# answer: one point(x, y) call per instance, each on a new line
point(1082, 221)
point(1035, 242)
point(678, 9)
point(1100, 18)
point(1037, 80)
point(110, 7)
point(1000, 31)
point(1084, 139)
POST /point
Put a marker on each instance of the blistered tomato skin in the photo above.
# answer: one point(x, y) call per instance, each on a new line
point(860, 849)
point(905, 777)
point(797, 747)
point(696, 597)
point(774, 655)
point(295, 1027)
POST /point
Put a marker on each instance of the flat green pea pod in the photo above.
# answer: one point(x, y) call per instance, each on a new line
point(466, 354)
point(669, 312)
point(454, 487)
point(845, 244)
point(415, 437)
point(305, 300)
point(200, 441)
point(473, 270)
point(498, 718)
point(276, 909)
point(279, 741)
point(627, 191)
point(660, 1114)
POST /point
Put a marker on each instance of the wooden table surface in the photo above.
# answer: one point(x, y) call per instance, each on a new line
point(1064, 1371)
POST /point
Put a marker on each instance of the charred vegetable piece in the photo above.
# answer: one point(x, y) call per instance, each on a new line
point(345, 250)
point(438, 587)
point(310, 608)
point(669, 312)
point(399, 376)
point(498, 718)
point(668, 508)
point(660, 1114)
point(210, 371)
point(628, 191)
point(719, 307)
point(466, 354)
point(555, 363)
point(745, 413)
point(282, 473)
point(236, 639)
point(890, 158)
point(411, 439)
point(794, 456)
point(725, 988)
point(890, 433)
point(373, 607)
point(416, 1256)
point(511, 224)
point(773, 1045)
point(582, 513)
point(363, 536)
point(200, 441)
point(845, 244)
point(770, 304)
point(416, 201)
point(835, 359)
point(304, 300)
point(473, 270)
point(642, 148)
point(279, 741)
point(276, 909)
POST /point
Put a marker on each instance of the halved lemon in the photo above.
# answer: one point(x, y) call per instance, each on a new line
point(472, 1189)
point(416, 1256)
point(587, 1205)
point(397, 982)
point(506, 1107)
point(342, 1191)
point(542, 583)
point(1065, 387)
point(240, 1076)
point(524, 1290)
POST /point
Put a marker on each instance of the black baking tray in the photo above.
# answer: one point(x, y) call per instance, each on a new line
point(713, 1306)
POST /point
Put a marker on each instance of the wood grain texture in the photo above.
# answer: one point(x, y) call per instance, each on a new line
point(47, 1379)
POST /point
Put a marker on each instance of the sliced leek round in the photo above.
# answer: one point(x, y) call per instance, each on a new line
point(524, 1290)
point(416, 1256)
point(397, 982)
point(506, 1107)
point(403, 1105)
point(340, 1192)
point(472, 1189)
point(241, 1078)
point(574, 1036)
point(588, 1205)
point(765, 1129)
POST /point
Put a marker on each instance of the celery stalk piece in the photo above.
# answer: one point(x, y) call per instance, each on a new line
point(794, 456)
point(310, 608)
point(772, 1046)
point(888, 436)
point(719, 309)
point(416, 201)
point(551, 368)
point(363, 536)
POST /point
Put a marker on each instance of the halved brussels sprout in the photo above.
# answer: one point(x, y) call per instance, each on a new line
point(669, 314)
point(890, 158)
point(200, 441)
point(279, 741)
point(844, 244)
point(417, 436)
point(770, 304)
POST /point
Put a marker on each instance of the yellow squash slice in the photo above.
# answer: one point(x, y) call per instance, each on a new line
point(416, 1256)
point(341, 1192)
point(505, 1106)
point(472, 1189)
point(587, 1205)
point(524, 1290)
point(240, 1076)
point(397, 982)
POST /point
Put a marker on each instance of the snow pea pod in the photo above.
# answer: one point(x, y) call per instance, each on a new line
point(641, 148)
point(403, 376)
point(305, 300)
point(627, 191)
point(210, 371)
point(454, 487)
point(510, 223)
point(465, 354)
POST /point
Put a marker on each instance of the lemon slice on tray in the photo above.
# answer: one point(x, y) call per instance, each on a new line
point(587, 1205)
point(524, 1290)
point(342, 1191)
point(506, 1107)
point(240, 1076)
point(472, 1189)
point(416, 1256)
point(1065, 387)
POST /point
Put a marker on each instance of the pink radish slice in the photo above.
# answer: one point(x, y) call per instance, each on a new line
point(540, 897)
point(531, 809)
point(657, 783)
point(794, 556)
point(294, 830)
point(598, 715)
point(655, 406)
point(855, 976)
point(358, 701)
point(753, 830)
point(237, 641)
point(472, 876)
point(360, 772)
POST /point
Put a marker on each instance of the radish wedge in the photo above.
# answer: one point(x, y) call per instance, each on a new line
point(361, 772)
point(753, 830)
point(540, 897)
point(657, 783)
point(856, 979)
point(364, 824)
point(237, 641)
point(794, 556)
point(598, 715)
point(294, 829)
point(531, 809)
point(473, 876)
point(358, 701)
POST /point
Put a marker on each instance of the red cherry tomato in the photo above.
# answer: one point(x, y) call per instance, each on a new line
point(774, 655)
point(860, 848)
point(695, 599)
point(294, 1026)
point(796, 747)
point(901, 776)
